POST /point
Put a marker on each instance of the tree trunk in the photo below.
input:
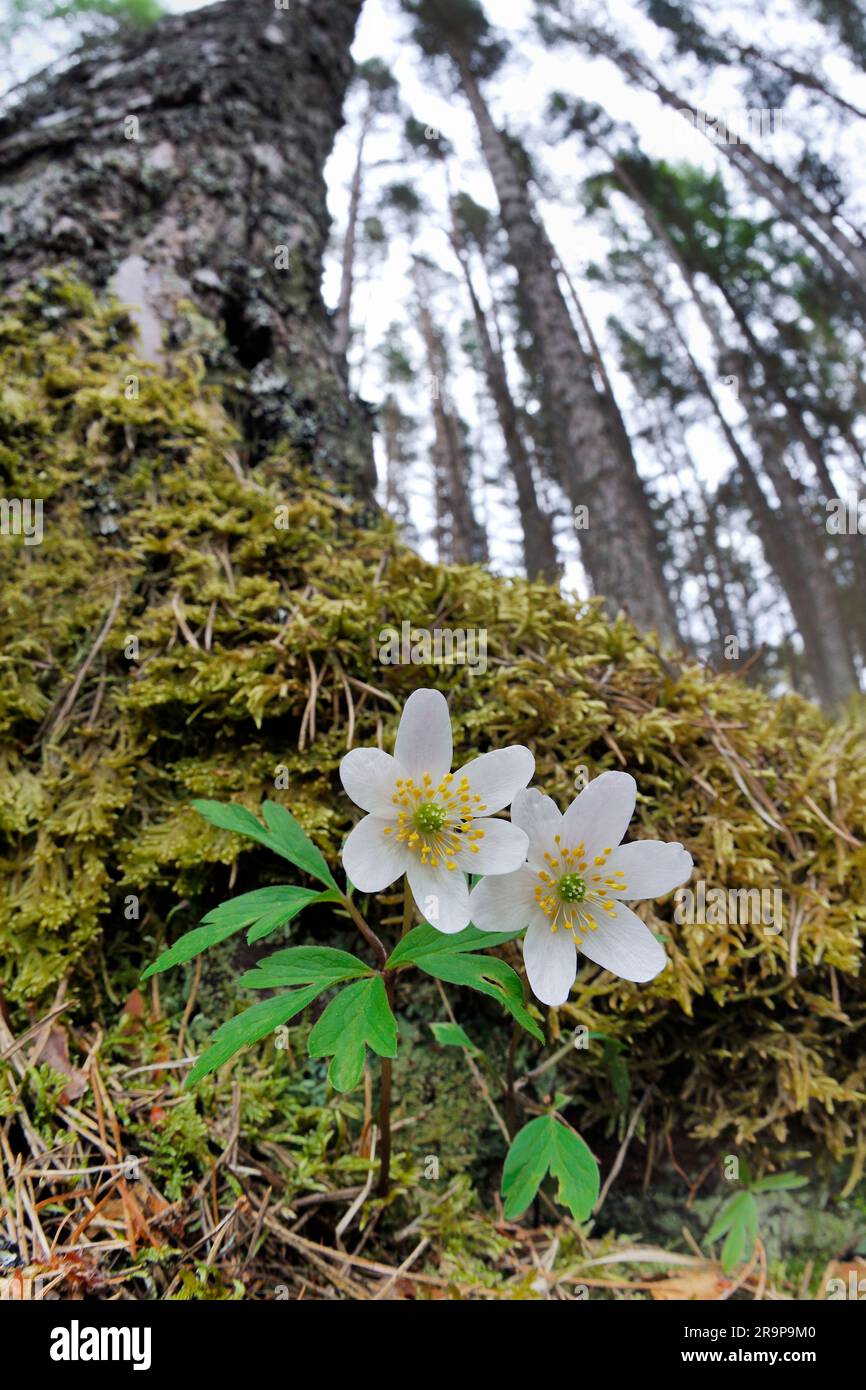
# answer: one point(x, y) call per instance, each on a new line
point(790, 553)
point(394, 427)
point(594, 461)
point(539, 551)
point(465, 541)
point(185, 163)
point(343, 313)
point(790, 540)
point(843, 256)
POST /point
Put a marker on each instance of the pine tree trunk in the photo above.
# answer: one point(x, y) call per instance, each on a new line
point(594, 461)
point(788, 551)
point(184, 163)
point(343, 312)
point(466, 538)
point(789, 547)
point(843, 256)
point(396, 463)
point(539, 551)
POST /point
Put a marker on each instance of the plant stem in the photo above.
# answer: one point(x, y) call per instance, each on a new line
point(385, 1088)
point(385, 1128)
point(366, 931)
point(510, 1098)
point(385, 1104)
point(408, 906)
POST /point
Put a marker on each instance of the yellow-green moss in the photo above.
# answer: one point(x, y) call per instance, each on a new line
point(258, 647)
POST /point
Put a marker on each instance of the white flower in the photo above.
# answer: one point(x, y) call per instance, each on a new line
point(571, 893)
point(427, 821)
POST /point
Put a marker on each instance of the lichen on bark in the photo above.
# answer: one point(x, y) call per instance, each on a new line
point(185, 164)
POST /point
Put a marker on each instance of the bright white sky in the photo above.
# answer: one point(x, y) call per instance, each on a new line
point(518, 96)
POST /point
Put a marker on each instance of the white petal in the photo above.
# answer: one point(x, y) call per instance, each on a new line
point(370, 777)
point(541, 818)
point(599, 817)
point(505, 902)
point(441, 895)
point(502, 849)
point(424, 736)
point(496, 777)
point(550, 960)
point(371, 858)
point(650, 868)
point(623, 944)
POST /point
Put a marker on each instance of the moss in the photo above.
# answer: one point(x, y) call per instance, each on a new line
point(237, 646)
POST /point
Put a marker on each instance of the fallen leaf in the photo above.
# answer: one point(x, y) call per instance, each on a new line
point(55, 1051)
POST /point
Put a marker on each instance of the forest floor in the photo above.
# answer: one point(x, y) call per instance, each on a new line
point(122, 1186)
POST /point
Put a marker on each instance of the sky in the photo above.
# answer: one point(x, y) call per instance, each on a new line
point(518, 96)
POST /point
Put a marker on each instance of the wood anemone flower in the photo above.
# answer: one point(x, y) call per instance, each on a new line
point(571, 893)
point(430, 823)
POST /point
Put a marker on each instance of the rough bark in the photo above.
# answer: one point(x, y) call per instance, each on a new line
point(595, 464)
point(172, 165)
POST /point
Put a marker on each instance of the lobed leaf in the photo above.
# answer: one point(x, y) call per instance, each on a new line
point(280, 833)
point(289, 840)
point(359, 1017)
point(452, 1035)
point(547, 1145)
point(305, 965)
point(425, 942)
point(249, 1027)
point(780, 1182)
point(268, 908)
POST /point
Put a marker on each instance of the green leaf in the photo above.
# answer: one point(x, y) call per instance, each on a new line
point(451, 958)
point(617, 1070)
point(725, 1219)
point(254, 1023)
point(359, 1017)
point(305, 965)
point(281, 833)
point(270, 921)
point(268, 908)
point(452, 1035)
point(289, 840)
point(780, 1182)
point(281, 902)
point(750, 1219)
point(425, 942)
point(489, 976)
point(739, 1218)
point(228, 816)
point(734, 1248)
point(547, 1145)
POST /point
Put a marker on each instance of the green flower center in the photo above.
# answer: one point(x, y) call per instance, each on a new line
point(571, 888)
point(429, 817)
